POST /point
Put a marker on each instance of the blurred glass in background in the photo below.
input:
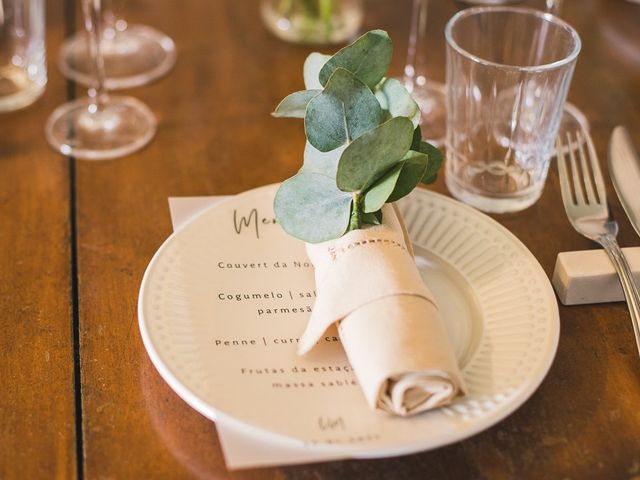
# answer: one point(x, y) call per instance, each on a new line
point(23, 70)
point(315, 22)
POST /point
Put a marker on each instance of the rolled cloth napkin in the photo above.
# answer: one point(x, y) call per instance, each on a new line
point(388, 321)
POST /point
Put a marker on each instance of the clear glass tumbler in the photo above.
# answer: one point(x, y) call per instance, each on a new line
point(508, 74)
point(23, 70)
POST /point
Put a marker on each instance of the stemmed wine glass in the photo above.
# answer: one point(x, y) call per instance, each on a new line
point(99, 126)
point(428, 94)
point(133, 55)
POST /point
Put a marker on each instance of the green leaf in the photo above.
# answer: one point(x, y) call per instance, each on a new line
point(368, 58)
point(414, 165)
point(394, 97)
point(341, 113)
point(308, 206)
point(379, 192)
point(374, 218)
point(417, 138)
point(311, 70)
point(325, 163)
point(295, 105)
point(373, 153)
point(433, 164)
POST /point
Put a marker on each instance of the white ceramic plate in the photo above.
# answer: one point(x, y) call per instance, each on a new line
point(225, 298)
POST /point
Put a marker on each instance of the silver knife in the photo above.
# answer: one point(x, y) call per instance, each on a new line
point(624, 168)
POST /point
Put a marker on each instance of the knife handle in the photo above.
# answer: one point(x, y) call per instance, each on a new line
point(629, 288)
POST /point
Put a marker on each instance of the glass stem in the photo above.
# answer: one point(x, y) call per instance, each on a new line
point(108, 17)
point(417, 33)
point(554, 6)
point(92, 10)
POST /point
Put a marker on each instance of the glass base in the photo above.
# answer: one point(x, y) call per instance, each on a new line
point(133, 56)
point(511, 193)
point(494, 204)
point(121, 125)
point(17, 90)
point(430, 97)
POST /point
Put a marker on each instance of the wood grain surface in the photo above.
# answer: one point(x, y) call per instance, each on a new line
point(37, 421)
point(215, 137)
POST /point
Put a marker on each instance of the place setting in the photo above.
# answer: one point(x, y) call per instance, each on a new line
point(345, 313)
point(376, 301)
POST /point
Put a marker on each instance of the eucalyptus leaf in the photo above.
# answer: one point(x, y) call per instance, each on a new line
point(308, 206)
point(325, 163)
point(364, 145)
point(368, 58)
point(394, 97)
point(417, 138)
point(373, 153)
point(295, 105)
point(311, 70)
point(379, 192)
point(433, 164)
point(374, 218)
point(413, 167)
point(344, 110)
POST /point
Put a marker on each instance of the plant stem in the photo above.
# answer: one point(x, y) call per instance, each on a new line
point(325, 8)
point(355, 222)
point(285, 8)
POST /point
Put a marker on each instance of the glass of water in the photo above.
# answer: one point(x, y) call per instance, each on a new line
point(23, 71)
point(508, 74)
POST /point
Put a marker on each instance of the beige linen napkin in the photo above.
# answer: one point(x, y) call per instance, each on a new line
point(389, 323)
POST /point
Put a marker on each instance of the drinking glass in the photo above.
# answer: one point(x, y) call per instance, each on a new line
point(133, 55)
point(508, 74)
point(572, 118)
point(99, 126)
point(23, 70)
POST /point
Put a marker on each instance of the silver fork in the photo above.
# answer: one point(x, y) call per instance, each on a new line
point(585, 201)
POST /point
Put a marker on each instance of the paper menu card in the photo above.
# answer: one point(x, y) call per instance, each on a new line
point(241, 450)
point(251, 291)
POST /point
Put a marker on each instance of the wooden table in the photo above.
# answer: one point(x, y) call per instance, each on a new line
point(80, 397)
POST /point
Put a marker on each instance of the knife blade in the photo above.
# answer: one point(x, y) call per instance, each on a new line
point(624, 168)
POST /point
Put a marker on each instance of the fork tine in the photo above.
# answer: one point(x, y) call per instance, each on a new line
point(597, 172)
point(586, 176)
point(575, 174)
point(565, 184)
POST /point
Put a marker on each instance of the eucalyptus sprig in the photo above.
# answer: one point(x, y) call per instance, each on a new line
point(364, 145)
